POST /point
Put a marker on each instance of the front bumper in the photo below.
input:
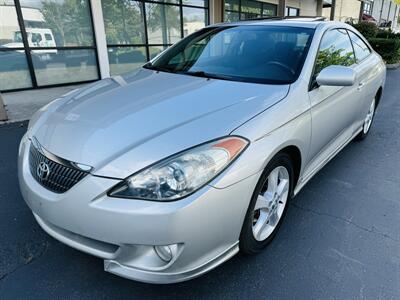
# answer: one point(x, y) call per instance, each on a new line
point(205, 226)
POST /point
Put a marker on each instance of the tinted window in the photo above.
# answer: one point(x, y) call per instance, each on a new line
point(268, 54)
point(292, 12)
point(335, 49)
point(360, 48)
point(251, 9)
point(124, 22)
point(68, 21)
point(14, 73)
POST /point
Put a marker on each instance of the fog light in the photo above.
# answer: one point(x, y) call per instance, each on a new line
point(166, 253)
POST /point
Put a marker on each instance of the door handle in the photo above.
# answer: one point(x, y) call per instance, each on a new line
point(360, 86)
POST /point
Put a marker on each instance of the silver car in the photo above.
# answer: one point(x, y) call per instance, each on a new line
point(169, 171)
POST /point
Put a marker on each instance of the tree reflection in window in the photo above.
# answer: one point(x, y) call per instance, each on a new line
point(335, 49)
point(332, 56)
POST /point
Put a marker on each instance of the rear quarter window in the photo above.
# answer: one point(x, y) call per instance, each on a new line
point(360, 47)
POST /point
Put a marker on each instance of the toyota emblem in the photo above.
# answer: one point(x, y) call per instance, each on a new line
point(43, 171)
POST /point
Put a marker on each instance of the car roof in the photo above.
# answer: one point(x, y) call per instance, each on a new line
point(306, 22)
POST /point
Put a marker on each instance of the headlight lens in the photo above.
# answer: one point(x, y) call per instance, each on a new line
point(181, 174)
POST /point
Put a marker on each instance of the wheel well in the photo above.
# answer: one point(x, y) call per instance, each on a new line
point(378, 96)
point(295, 156)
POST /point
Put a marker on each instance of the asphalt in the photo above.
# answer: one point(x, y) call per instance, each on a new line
point(340, 240)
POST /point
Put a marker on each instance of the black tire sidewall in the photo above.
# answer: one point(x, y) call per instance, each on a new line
point(247, 243)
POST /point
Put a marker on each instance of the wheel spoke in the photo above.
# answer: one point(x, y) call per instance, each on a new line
point(263, 201)
point(282, 187)
point(273, 219)
point(273, 180)
point(261, 224)
point(369, 117)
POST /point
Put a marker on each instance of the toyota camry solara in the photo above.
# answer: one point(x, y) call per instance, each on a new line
point(169, 171)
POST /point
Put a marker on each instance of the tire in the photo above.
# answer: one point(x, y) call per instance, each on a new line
point(368, 120)
point(248, 242)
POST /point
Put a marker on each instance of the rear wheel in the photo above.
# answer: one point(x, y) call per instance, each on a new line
point(268, 205)
point(368, 121)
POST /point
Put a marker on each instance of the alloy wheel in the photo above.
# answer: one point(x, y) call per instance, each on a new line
point(369, 117)
point(271, 203)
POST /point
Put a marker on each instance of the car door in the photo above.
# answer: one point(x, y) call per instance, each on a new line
point(332, 107)
point(365, 76)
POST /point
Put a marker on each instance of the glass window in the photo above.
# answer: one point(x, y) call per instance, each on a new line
point(264, 54)
point(335, 49)
point(14, 72)
point(126, 59)
point(64, 66)
point(166, 1)
point(367, 8)
point(10, 34)
point(269, 10)
point(194, 19)
point(292, 11)
point(360, 48)
point(50, 25)
point(201, 3)
point(231, 16)
point(232, 5)
point(124, 22)
point(155, 50)
point(68, 22)
point(163, 23)
point(250, 9)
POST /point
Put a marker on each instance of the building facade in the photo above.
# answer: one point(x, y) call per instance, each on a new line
point(345, 10)
point(55, 42)
point(384, 13)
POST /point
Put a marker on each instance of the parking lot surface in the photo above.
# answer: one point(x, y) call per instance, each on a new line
point(340, 240)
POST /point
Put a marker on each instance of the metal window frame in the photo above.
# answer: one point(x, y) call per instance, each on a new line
point(146, 44)
point(240, 9)
point(28, 54)
point(288, 8)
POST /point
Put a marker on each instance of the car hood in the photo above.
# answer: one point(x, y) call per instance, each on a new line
point(101, 122)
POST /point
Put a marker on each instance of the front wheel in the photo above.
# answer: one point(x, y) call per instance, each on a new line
point(367, 121)
point(268, 205)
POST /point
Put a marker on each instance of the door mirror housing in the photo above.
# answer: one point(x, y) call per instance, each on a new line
point(336, 76)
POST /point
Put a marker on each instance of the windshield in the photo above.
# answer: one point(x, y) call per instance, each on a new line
point(250, 53)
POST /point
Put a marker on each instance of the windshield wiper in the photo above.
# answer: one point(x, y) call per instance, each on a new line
point(150, 66)
point(202, 74)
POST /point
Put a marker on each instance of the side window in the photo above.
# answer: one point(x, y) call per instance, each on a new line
point(335, 49)
point(360, 48)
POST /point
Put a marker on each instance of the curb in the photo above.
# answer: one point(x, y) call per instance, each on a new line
point(3, 112)
point(392, 66)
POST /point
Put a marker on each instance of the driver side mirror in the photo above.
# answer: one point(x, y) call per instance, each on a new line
point(336, 76)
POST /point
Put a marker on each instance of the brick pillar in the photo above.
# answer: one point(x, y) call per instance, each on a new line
point(281, 8)
point(216, 11)
point(333, 8)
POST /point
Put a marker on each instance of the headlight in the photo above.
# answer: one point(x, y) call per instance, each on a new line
point(182, 174)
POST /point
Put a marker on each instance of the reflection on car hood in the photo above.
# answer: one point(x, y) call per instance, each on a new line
point(101, 122)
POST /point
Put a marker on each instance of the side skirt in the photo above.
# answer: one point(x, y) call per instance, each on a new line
point(308, 177)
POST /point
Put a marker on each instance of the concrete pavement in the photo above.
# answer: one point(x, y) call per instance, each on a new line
point(22, 105)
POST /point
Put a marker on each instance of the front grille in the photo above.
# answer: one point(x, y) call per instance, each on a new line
point(55, 177)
